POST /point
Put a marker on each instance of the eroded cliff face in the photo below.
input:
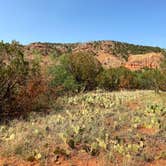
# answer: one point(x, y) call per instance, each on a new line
point(108, 60)
point(48, 48)
point(107, 52)
point(134, 62)
point(149, 60)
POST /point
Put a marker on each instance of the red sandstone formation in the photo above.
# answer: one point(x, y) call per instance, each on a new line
point(102, 50)
point(149, 60)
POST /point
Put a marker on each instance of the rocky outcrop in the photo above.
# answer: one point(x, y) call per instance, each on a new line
point(149, 60)
point(45, 49)
point(109, 60)
point(109, 53)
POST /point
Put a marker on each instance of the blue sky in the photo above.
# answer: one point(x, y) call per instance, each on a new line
point(134, 21)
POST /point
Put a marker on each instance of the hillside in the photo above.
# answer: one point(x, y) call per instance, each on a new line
point(60, 106)
point(109, 53)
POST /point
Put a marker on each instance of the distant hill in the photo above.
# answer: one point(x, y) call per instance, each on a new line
point(109, 53)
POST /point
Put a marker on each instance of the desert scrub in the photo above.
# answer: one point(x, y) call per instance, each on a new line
point(153, 116)
point(100, 99)
point(95, 122)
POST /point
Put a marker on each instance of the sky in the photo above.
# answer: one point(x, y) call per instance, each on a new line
point(135, 21)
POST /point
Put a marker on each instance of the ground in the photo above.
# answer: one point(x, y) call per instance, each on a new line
point(98, 128)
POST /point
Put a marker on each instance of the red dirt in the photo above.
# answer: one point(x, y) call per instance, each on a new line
point(81, 160)
point(133, 105)
point(84, 161)
point(108, 60)
point(160, 162)
point(14, 161)
point(148, 131)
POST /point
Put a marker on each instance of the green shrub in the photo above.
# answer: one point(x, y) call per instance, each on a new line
point(125, 49)
point(19, 88)
point(148, 79)
point(85, 67)
point(125, 78)
point(61, 76)
point(108, 80)
point(122, 78)
point(115, 78)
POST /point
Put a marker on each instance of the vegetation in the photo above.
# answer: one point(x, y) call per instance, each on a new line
point(124, 49)
point(82, 71)
point(20, 82)
point(120, 49)
point(97, 124)
point(62, 78)
point(115, 79)
point(85, 67)
point(122, 78)
point(75, 72)
point(111, 115)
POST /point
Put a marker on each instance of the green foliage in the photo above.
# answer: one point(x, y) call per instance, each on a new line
point(122, 78)
point(82, 69)
point(125, 78)
point(15, 76)
point(85, 67)
point(115, 78)
point(106, 81)
point(110, 79)
point(149, 79)
point(75, 71)
point(13, 72)
point(61, 76)
point(124, 49)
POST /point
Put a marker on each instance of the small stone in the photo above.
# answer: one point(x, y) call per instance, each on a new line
point(56, 158)
point(58, 163)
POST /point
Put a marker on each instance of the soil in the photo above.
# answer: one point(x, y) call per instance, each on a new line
point(148, 131)
point(79, 160)
point(14, 161)
point(157, 163)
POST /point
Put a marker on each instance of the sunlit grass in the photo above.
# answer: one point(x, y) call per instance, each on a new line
point(94, 122)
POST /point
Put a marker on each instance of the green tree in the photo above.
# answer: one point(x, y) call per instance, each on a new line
point(115, 78)
point(85, 68)
point(15, 75)
point(61, 76)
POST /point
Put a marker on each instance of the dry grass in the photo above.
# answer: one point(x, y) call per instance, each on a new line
point(94, 123)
